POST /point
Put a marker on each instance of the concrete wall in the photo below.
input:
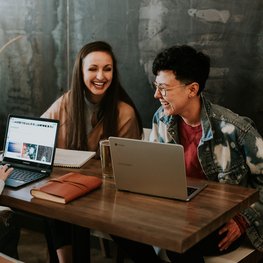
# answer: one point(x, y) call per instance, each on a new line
point(39, 40)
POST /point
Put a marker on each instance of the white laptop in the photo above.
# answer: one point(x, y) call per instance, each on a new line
point(29, 148)
point(151, 168)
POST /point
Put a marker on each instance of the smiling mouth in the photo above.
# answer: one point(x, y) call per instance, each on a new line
point(99, 84)
point(164, 103)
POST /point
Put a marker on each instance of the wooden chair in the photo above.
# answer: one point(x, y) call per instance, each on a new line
point(244, 254)
point(146, 134)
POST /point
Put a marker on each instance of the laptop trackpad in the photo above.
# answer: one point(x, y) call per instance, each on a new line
point(13, 182)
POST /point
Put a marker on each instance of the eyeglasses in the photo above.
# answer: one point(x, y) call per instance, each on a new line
point(161, 87)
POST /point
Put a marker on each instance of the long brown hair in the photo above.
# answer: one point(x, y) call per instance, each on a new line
point(108, 111)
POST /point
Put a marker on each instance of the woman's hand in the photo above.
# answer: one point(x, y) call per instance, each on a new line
point(5, 171)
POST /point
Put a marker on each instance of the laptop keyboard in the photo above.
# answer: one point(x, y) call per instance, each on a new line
point(190, 190)
point(25, 175)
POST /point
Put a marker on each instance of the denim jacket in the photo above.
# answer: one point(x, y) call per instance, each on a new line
point(230, 151)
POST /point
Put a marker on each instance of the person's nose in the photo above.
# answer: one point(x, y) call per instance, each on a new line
point(157, 94)
point(100, 75)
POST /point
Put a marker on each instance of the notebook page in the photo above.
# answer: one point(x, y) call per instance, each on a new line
point(72, 158)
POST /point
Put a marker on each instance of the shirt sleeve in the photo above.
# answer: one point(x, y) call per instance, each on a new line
point(241, 222)
point(58, 110)
point(128, 126)
point(252, 144)
point(2, 184)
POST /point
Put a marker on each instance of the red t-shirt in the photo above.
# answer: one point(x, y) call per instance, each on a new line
point(189, 138)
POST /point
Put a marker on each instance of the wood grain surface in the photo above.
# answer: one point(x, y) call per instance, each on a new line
point(169, 224)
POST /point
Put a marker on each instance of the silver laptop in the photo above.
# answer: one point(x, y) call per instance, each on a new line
point(150, 168)
point(29, 148)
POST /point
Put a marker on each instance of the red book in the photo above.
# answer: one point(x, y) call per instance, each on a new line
point(67, 187)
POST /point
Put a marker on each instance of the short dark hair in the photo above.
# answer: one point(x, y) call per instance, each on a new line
point(187, 64)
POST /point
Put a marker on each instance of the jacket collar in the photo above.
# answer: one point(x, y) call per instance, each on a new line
point(207, 134)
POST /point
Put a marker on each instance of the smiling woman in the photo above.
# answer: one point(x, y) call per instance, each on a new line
point(95, 107)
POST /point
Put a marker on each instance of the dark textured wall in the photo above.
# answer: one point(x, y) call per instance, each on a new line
point(39, 40)
point(33, 56)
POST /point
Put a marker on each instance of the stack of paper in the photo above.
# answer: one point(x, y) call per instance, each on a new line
point(72, 158)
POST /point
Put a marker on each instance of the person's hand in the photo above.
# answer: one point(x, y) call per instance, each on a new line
point(5, 171)
point(233, 233)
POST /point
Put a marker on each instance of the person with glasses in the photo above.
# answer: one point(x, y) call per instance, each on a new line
point(219, 145)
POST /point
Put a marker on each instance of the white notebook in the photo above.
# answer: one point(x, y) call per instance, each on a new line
point(72, 158)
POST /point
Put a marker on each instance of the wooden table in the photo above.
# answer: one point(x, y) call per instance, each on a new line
point(169, 224)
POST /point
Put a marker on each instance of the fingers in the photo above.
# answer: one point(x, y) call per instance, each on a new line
point(228, 240)
point(233, 233)
point(6, 168)
point(5, 171)
point(223, 230)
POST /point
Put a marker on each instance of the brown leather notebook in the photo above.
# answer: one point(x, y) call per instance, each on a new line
point(67, 187)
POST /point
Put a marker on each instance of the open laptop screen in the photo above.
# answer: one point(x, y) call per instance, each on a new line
point(30, 141)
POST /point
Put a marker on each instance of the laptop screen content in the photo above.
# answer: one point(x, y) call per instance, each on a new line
point(30, 140)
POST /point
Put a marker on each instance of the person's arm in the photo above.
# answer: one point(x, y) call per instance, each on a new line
point(128, 125)
point(235, 227)
point(55, 111)
point(253, 149)
point(249, 220)
point(2, 185)
point(5, 171)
